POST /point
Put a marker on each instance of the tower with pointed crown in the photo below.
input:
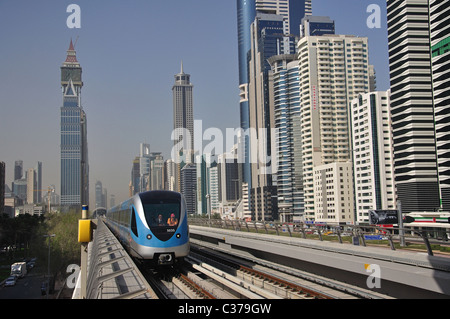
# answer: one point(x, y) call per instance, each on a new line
point(74, 159)
point(183, 113)
point(183, 124)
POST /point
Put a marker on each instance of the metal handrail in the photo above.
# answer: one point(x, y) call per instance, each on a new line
point(357, 231)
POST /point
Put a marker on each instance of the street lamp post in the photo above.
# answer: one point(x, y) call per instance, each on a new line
point(48, 268)
point(208, 206)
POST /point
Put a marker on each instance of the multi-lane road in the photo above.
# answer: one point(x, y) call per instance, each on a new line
point(28, 287)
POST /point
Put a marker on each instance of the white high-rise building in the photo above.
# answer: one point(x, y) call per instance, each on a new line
point(333, 193)
point(31, 185)
point(213, 190)
point(144, 167)
point(373, 154)
point(157, 172)
point(171, 175)
point(333, 70)
point(204, 195)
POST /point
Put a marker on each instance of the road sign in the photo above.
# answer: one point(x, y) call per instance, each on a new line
point(373, 237)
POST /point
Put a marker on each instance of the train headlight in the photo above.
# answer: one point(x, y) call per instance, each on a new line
point(178, 235)
point(149, 236)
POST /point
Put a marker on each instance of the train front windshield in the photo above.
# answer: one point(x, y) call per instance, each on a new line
point(163, 217)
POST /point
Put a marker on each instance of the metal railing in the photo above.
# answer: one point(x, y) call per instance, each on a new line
point(357, 233)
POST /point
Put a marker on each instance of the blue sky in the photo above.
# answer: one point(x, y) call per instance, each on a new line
point(130, 51)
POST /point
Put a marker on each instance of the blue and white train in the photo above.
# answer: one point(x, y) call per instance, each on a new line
point(153, 226)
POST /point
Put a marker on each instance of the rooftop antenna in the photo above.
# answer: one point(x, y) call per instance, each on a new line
point(76, 40)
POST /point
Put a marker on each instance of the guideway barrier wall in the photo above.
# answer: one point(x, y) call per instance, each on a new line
point(359, 234)
point(404, 274)
point(107, 270)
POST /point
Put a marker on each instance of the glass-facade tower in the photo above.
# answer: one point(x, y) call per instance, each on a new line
point(246, 13)
point(285, 79)
point(183, 116)
point(292, 11)
point(74, 163)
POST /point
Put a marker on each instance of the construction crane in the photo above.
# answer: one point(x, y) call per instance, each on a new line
point(49, 190)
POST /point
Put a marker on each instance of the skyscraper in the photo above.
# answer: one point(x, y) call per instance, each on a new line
point(274, 31)
point(144, 167)
point(74, 153)
point(188, 177)
point(157, 171)
point(418, 35)
point(147, 171)
point(183, 117)
point(440, 66)
point(31, 186)
point(315, 25)
point(135, 177)
point(2, 187)
point(246, 13)
point(333, 70)
point(292, 12)
point(373, 155)
point(18, 169)
point(99, 198)
point(38, 172)
point(285, 80)
point(267, 41)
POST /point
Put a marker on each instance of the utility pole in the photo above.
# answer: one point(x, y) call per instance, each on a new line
point(401, 232)
point(48, 267)
point(85, 229)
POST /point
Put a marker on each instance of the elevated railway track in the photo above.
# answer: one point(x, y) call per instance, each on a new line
point(224, 264)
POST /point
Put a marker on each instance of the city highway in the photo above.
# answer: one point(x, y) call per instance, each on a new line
point(28, 287)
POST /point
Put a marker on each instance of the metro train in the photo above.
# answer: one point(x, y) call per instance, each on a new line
point(152, 226)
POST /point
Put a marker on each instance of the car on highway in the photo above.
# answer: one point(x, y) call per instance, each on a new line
point(11, 281)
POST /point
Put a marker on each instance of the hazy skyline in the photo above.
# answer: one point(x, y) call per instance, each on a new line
point(130, 52)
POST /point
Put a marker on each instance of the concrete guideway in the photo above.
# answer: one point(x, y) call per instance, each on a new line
point(112, 274)
point(403, 274)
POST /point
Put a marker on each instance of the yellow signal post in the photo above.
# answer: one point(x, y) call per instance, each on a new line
point(84, 231)
point(84, 237)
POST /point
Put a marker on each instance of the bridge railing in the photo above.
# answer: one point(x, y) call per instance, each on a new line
point(355, 234)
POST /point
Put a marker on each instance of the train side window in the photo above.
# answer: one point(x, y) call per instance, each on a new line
point(133, 222)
